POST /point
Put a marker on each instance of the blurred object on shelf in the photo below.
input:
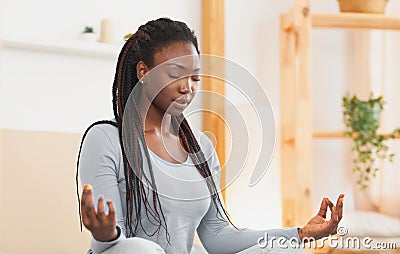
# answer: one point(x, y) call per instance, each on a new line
point(363, 6)
point(88, 34)
point(107, 31)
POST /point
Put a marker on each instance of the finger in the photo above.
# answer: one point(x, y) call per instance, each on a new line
point(330, 204)
point(87, 199)
point(339, 206)
point(333, 221)
point(334, 215)
point(323, 208)
point(111, 210)
point(337, 221)
point(334, 231)
point(100, 207)
point(339, 199)
point(333, 211)
point(87, 206)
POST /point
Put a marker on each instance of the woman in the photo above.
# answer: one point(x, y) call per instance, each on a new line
point(160, 183)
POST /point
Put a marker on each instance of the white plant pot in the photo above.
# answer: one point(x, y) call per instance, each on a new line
point(89, 37)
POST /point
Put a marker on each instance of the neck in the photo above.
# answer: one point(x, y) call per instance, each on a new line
point(154, 120)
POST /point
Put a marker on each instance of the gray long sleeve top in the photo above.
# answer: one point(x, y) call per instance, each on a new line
point(183, 194)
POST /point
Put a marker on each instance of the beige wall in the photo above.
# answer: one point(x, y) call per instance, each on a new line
point(38, 211)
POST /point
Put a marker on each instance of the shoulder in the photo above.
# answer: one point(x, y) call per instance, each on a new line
point(103, 131)
point(101, 137)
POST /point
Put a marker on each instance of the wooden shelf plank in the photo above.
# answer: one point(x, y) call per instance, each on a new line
point(321, 135)
point(331, 135)
point(64, 46)
point(355, 21)
point(339, 134)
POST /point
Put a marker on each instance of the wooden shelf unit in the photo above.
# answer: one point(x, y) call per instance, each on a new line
point(296, 102)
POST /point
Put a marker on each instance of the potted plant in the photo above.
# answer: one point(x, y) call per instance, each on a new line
point(362, 120)
point(88, 34)
point(363, 6)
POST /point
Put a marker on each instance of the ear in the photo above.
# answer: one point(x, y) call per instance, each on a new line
point(141, 69)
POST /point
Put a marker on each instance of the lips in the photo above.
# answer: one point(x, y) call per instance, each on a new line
point(181, 103)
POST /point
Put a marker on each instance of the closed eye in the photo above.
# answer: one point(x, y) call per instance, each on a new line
point(196, 78)
point(174, 76)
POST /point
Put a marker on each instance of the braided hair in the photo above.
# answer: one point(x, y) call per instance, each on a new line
point(142, 46)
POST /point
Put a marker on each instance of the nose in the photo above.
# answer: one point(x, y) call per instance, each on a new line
point(187, 85)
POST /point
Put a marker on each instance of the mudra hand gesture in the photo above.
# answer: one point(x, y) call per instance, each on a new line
point(318, 227)
point(101, 225)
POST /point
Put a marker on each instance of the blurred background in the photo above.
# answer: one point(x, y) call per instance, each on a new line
point(54, 83)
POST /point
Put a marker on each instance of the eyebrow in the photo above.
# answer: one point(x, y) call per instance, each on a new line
point(182, 66)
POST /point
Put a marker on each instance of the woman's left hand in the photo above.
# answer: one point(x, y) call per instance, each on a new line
point(318, 227)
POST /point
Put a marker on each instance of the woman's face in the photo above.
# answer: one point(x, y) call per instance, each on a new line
point(172, 83)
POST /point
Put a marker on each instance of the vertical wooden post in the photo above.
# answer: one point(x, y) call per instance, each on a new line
point(213, 43)
point(303, 134)
point(362, 60)
point(296, 115)
point(287, 119)
point(2, 190)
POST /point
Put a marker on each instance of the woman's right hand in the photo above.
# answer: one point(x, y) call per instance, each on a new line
point(101, 225)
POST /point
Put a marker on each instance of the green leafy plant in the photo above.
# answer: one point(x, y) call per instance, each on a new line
point(88, 30)
point(362, 120)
